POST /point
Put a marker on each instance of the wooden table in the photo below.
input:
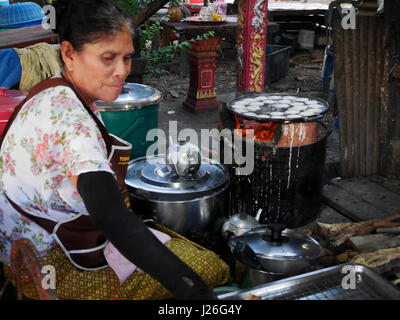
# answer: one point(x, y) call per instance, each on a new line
point(202, 57)
point(24, 37)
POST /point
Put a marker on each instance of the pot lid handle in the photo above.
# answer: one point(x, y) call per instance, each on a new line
point(246, 255)
point(276, 233)
point(126, 89)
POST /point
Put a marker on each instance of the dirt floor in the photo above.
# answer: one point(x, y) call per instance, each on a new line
point(304, 77)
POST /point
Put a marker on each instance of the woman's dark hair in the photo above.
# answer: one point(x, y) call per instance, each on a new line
point(85, 21)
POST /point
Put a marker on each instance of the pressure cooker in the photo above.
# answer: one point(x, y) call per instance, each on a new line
point(181, 190)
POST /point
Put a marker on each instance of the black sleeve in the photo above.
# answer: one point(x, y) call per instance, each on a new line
point(134, 240)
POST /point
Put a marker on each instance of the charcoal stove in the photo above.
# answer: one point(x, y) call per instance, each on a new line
point(289, 157)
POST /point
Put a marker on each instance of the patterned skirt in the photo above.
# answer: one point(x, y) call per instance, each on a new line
point(103, 284)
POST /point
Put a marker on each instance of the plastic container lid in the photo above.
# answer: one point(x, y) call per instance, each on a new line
point(133, 96)
point(20, 13)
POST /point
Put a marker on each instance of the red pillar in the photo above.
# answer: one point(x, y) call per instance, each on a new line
point(202, 61)
point(251, 44)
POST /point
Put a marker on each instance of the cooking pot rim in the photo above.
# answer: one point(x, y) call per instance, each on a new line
point(142, 180)
point(281, 258)
point(206, 195)
point(321, 138)
point(276, 257)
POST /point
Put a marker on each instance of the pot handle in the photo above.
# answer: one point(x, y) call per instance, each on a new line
point(126, 89)
point(276, 233)
point(139, 121)
point(246, 255)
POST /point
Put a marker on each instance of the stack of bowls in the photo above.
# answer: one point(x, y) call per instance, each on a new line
point(20, 14)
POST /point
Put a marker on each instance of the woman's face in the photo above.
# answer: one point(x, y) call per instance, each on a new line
point(100, 68)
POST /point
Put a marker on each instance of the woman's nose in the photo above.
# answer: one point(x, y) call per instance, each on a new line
point(123, 68)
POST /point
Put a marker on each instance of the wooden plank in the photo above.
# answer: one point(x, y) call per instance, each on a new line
point(373, 242)
point(340, 84)
point(372, 193)
point(338, 233)
point(327, 215)
point(330, 215)
point(349, 205)
point(392, 185)
point(381, 261)
point(23, 37)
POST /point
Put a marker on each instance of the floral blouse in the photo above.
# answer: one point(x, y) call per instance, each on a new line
point(52, 138)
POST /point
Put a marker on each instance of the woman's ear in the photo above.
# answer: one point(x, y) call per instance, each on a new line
point(67, 54)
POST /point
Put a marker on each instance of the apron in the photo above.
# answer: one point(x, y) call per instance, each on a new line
point(82, 243)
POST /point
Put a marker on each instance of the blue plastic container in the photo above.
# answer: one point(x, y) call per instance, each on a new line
point(327, 67)
point(21, 14)
point(4, 3)
point(10, 68)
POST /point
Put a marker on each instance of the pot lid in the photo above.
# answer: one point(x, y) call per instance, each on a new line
point(243, 221)
point(9, 99)
point(152, 178)
point(278, 107)
point(132, 96)
point(276, 243)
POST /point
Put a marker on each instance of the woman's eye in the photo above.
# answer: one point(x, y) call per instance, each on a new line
point(108, 58)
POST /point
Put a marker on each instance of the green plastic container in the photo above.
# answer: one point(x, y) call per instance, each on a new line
point(132, 115)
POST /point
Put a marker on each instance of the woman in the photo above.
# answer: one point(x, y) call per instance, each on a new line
point(62, 180)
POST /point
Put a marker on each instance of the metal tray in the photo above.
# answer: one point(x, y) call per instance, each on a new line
point(262, 114)
point(324, 284)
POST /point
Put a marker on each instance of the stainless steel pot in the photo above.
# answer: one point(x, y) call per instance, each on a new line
point(238, 224)
point(247, 277)
point(273, 251)
point(181, 203)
